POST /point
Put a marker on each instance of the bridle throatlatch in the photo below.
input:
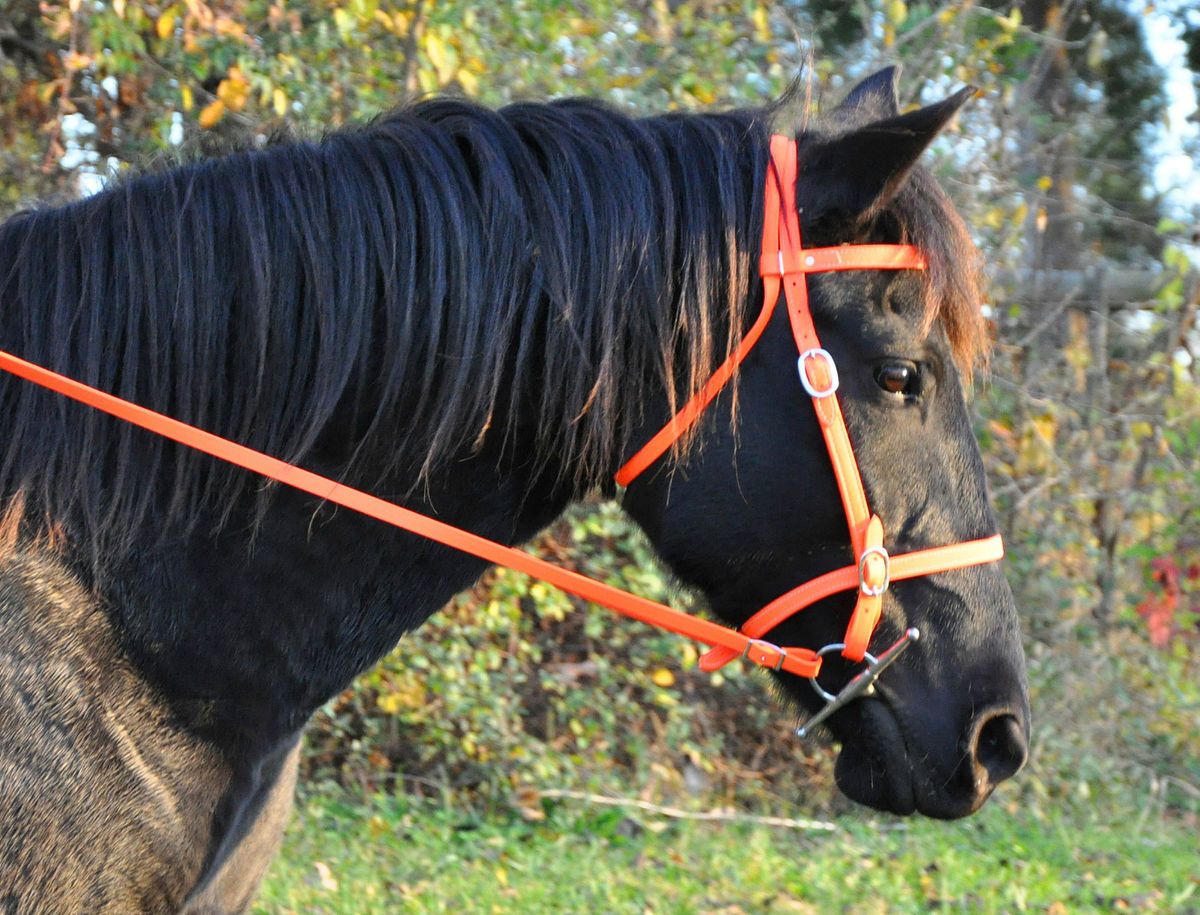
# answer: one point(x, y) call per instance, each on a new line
point(785, 264)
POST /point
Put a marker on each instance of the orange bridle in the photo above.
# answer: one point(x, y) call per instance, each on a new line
point(784, 265)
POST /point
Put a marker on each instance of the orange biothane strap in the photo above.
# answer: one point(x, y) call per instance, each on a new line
point(905, 565)
point(874, 574)
point(781, 231)
point(692, 410)
point(799, 661)
point(844, 257)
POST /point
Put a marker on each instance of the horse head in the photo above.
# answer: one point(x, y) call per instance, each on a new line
point(754, 510)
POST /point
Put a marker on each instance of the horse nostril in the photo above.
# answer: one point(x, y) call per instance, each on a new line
point(1000, 746)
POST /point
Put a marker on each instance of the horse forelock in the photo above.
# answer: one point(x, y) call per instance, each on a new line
point(955, 289)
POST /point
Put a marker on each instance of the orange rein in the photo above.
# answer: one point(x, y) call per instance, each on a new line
point(784, 264)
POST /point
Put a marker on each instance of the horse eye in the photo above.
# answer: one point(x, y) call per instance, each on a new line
point(898, 378)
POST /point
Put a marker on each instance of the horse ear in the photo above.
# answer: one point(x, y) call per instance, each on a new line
point(853, 175)
point(876, 96)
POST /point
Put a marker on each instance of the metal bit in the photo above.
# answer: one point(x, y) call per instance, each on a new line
point(863, 683)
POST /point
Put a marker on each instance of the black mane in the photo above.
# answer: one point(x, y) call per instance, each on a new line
point(441, 273)
point(386, 300)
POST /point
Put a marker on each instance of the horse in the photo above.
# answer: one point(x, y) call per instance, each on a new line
point(479, 314)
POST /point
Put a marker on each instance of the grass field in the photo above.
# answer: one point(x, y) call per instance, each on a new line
point(1104, 818)
point(399, 854)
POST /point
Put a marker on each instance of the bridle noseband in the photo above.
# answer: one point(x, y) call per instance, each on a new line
point(784, 266)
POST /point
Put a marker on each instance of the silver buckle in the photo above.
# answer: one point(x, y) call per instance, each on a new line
point(868, 590)
point(822, 354)
point(763, 643)
point(862, 684)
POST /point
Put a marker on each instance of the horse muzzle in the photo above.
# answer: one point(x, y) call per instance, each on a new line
point(896, 759)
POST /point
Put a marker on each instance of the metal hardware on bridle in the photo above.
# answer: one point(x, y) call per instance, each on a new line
point(782, 269)
point(861, 684)
point(769, 647)
point(830, 366)
point(866, 587)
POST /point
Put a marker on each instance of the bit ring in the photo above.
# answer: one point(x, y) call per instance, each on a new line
point(869, 658)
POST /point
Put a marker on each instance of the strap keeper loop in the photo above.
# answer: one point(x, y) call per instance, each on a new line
point(764, 645)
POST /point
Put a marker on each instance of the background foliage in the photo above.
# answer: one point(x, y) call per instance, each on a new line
point(1089, 415)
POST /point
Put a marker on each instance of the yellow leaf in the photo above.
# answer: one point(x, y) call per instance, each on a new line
point(325, 875)
point(442, 56)
point(1045, 182)
point(212, 114)
point(119, 8)
point(1096, 49)
point(469, 81)
point(897, 11)
point(689, 655)
point(501, 876)
point(1011, 22)
point(280, 101)
point(378, 826)
point(1141, 429)
point(390, 703)
point(762, 22)
point(229, 28)
point(663, 677)
point(344, 22)
point(234, 90)
point(165, 27)
point(1045, 426)
point(186, 98)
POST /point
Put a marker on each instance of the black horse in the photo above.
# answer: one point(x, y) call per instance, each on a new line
point(479, 314)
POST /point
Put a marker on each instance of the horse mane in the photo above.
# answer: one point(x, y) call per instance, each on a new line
point(412, 289)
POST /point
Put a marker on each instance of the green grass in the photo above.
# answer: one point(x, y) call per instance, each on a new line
point(398, 854)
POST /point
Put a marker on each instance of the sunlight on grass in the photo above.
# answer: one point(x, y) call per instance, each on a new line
point(389, 854)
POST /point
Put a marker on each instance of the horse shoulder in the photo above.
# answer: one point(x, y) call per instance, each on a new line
point(106, 801)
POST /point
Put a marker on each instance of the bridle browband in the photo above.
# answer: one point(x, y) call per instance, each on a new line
point(784, 265)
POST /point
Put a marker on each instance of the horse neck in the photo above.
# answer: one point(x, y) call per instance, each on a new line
point(248, 640)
